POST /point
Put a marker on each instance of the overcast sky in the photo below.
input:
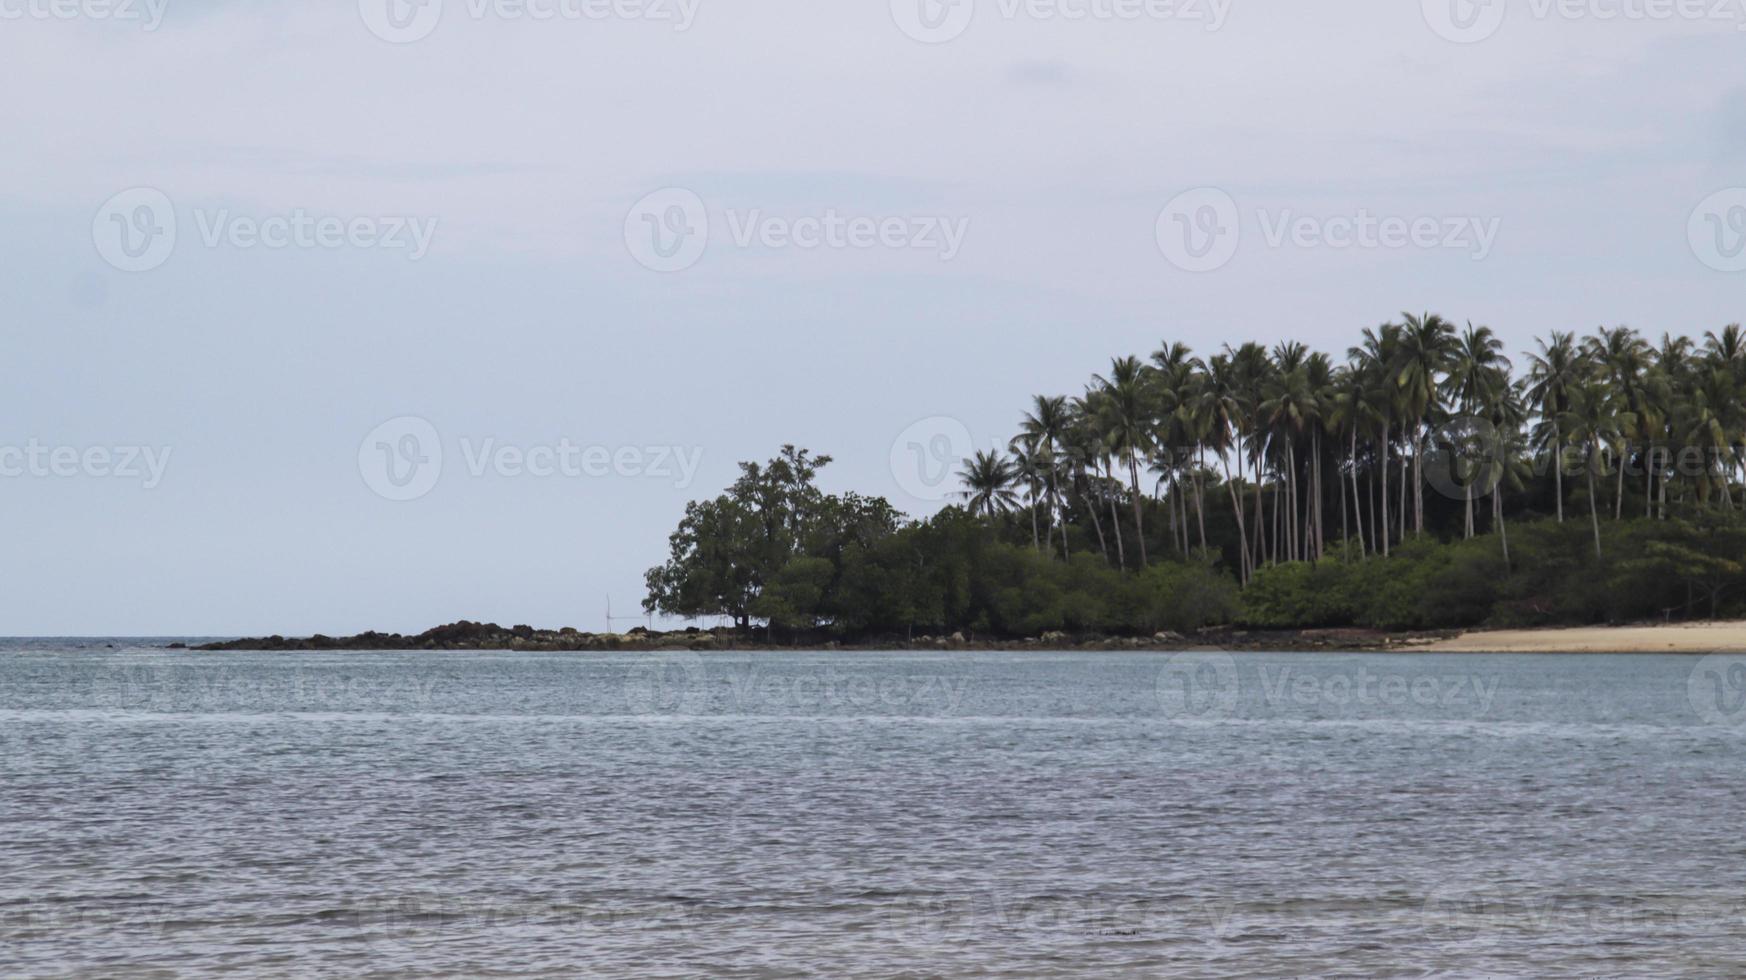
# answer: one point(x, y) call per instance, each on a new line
point(305, 248)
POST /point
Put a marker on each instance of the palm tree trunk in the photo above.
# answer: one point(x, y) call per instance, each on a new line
point(1036, 539)
point(1260, 516)
point(1593, 506)
point(1182, 512)
point(1649, 482)
point(1237, 509)
point(1115, 525)
point(1139, 527)
point(1619, 494)
point(1502, 531)
point(1418, 480)
point(1357, 502)
point(1403, 492)
point(1277, 545)
point(1345, 523)
point(1321, 542)
point(1049, 530)
point(1061, 510)
point(1096, 521)
point(1291, 522)
point(1386, 533)
point(1200, 497)
point(1558, 468)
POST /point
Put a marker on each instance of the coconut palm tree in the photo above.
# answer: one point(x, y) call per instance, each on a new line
point(1622, 359)
point(1552, 373)
point(1427, 343)
point(1591, 419)
point(988, 478)
point(1129, 412)
point(1220, 403)
point(1348, 415)
point(1028, 466)
point(1374, 361)
point(1044, 427)
point(1287, 414)
point(1478, 377)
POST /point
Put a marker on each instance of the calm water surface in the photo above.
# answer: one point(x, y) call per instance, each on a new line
point(1023, 814)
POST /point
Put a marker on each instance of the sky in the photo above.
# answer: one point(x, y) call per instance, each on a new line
point(351, 314)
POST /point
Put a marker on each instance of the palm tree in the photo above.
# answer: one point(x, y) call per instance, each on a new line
point(1028, 465)
point(1219, 403)
point(1128, 417)
point(1044, 427)
point(1591, 420)
point(1707, 413)
point(1426, 346)
point(988, 478)
point(1478, 377)
point(1092, 408)
point(1374, 360)
point(1551, 375)
point(1348, 414)
point(1622, 358)
point(1290, 411)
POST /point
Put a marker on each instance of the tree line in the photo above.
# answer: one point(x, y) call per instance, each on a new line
point(1309, 452)
point(1421, 481)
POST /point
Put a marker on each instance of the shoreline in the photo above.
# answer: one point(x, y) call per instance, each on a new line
point(1684, 638)
point(1717, 636)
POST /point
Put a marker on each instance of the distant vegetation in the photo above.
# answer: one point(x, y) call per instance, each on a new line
point(1420, 483)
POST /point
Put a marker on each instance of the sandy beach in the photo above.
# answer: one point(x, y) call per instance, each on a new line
point(1706, 637)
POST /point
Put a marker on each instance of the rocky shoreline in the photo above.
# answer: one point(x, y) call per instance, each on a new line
point(466, 635)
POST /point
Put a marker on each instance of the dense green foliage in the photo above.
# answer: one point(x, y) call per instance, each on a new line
point(1420, 484)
